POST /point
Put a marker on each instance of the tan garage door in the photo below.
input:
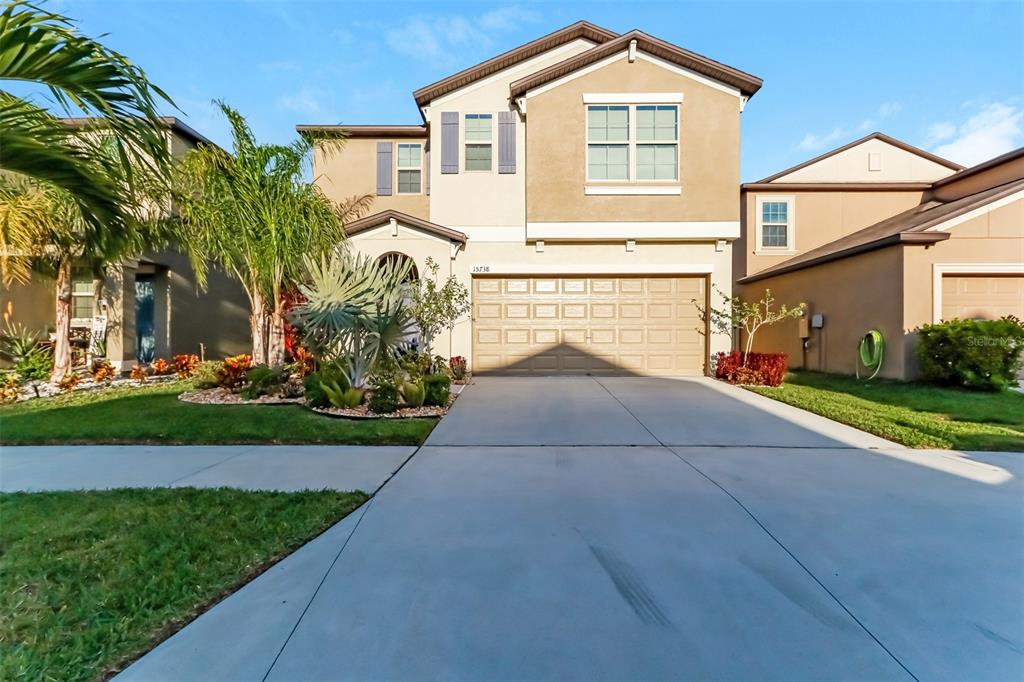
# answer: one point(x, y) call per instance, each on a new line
point(989, 297)
point(588, 325)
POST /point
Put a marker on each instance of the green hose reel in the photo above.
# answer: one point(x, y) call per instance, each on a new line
point(870, 352)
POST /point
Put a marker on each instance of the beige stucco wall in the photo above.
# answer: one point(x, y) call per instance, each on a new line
point(352, 171)
point(708, 150)
point(996, 237)
point(32, 304)
point(475, 201)
point(819, 217)
point(855, 295)
point(896, 165)
point(520, 258)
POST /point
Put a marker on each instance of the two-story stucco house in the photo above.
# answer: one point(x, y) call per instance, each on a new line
point(879, 235)
point(151, 304)
point(582, 186)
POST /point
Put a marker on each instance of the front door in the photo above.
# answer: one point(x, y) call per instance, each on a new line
point(145, 338)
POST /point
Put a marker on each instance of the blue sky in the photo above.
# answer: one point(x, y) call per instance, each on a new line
point(945, 76)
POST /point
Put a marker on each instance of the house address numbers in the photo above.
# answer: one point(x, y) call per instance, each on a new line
point(481, 269)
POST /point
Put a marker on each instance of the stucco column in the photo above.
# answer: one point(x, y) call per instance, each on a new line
point(119, 294)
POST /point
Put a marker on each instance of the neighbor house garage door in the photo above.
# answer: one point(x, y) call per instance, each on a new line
point(968, 297)
point(588, 325)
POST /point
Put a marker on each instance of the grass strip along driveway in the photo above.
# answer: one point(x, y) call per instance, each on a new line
point(153, 414)
point(91, 580)
point(914, 414)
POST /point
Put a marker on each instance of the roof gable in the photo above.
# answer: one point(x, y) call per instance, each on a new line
point(745, 83)
point(581, 29)
point(384, 217)
point(849, 163)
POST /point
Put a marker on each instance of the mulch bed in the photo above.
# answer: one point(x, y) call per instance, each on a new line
point(224, 396)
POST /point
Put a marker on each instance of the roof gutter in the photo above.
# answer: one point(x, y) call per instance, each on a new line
point(900, 239)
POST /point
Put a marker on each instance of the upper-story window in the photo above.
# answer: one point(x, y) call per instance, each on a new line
point(775, 224)
point(635, 142)
point(608, 142)
point(478, 142)
point(410, 168)
point(81, 294)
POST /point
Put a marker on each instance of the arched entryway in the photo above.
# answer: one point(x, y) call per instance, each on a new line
point(397, 257)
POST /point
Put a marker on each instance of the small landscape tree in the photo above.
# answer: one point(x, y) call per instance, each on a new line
point(735, 313)
point(437, 307)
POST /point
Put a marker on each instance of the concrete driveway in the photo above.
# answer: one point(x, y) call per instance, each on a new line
point(642, 529)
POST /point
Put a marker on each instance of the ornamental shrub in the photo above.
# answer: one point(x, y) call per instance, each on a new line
point(978, 354)
point(102, 371)
point(384, 398)
point(329, 374)
point(457, 367)
point(436, 389)
point(765, 369)
point(232, 371)
point(262, 380)
point(185, 365)
point(205, 374)
point(412, 393)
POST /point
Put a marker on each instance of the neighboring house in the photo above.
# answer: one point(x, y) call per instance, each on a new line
point(582, 186)
point(151, 303)
point(880, 235)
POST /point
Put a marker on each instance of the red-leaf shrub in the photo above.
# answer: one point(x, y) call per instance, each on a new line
point(232, 373)
point(767, 369)
point(457, 365)
point(185, 365)
point(161, 367)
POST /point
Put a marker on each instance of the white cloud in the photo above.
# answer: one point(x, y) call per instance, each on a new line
point(890, 109)
point(813, 142)
point(438, 39)
point(303, 101)
point(992, 131)
point(937, 132)
point(865, 125)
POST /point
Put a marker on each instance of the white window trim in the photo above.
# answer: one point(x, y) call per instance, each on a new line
point(939, 270)
point(82, 321)
point(408, 168)
point(790, 248)
point(465, 142)
point(631, 145)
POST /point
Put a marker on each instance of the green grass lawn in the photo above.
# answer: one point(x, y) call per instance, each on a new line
point(914, 414)
point(91, 580)
point(153, 414)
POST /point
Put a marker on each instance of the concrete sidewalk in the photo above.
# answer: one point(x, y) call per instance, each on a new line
point(250, 467)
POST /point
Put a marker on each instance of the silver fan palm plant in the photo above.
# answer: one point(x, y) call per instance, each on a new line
point(355, 311)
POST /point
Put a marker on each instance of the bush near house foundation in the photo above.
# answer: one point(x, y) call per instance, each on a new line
point(757, 369)
point(979, 354)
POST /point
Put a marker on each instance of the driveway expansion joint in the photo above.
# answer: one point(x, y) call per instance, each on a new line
point(767, 532)
point(210, 466)
point(797, 561)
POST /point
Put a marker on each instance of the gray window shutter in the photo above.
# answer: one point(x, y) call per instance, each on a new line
point(384, 166)
point(426, 171)
point(506, 142)
point(449, 142)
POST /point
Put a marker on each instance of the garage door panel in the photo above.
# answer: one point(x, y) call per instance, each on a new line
point(969, 297)
point(588, 325)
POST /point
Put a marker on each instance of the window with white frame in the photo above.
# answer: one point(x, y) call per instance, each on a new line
point(478, 142)
point(635, 142)
point(775, 225)
point(81, 294)
point(410, 168)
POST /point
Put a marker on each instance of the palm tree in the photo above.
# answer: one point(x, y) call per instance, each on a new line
point(251, 212)
point(43, 229)
point(85, 78)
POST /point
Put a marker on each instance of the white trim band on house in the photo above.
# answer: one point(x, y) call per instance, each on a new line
point(632, 98)
point(941, 269)
point(642, 190)
point(708, 230)
point(484, 269)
